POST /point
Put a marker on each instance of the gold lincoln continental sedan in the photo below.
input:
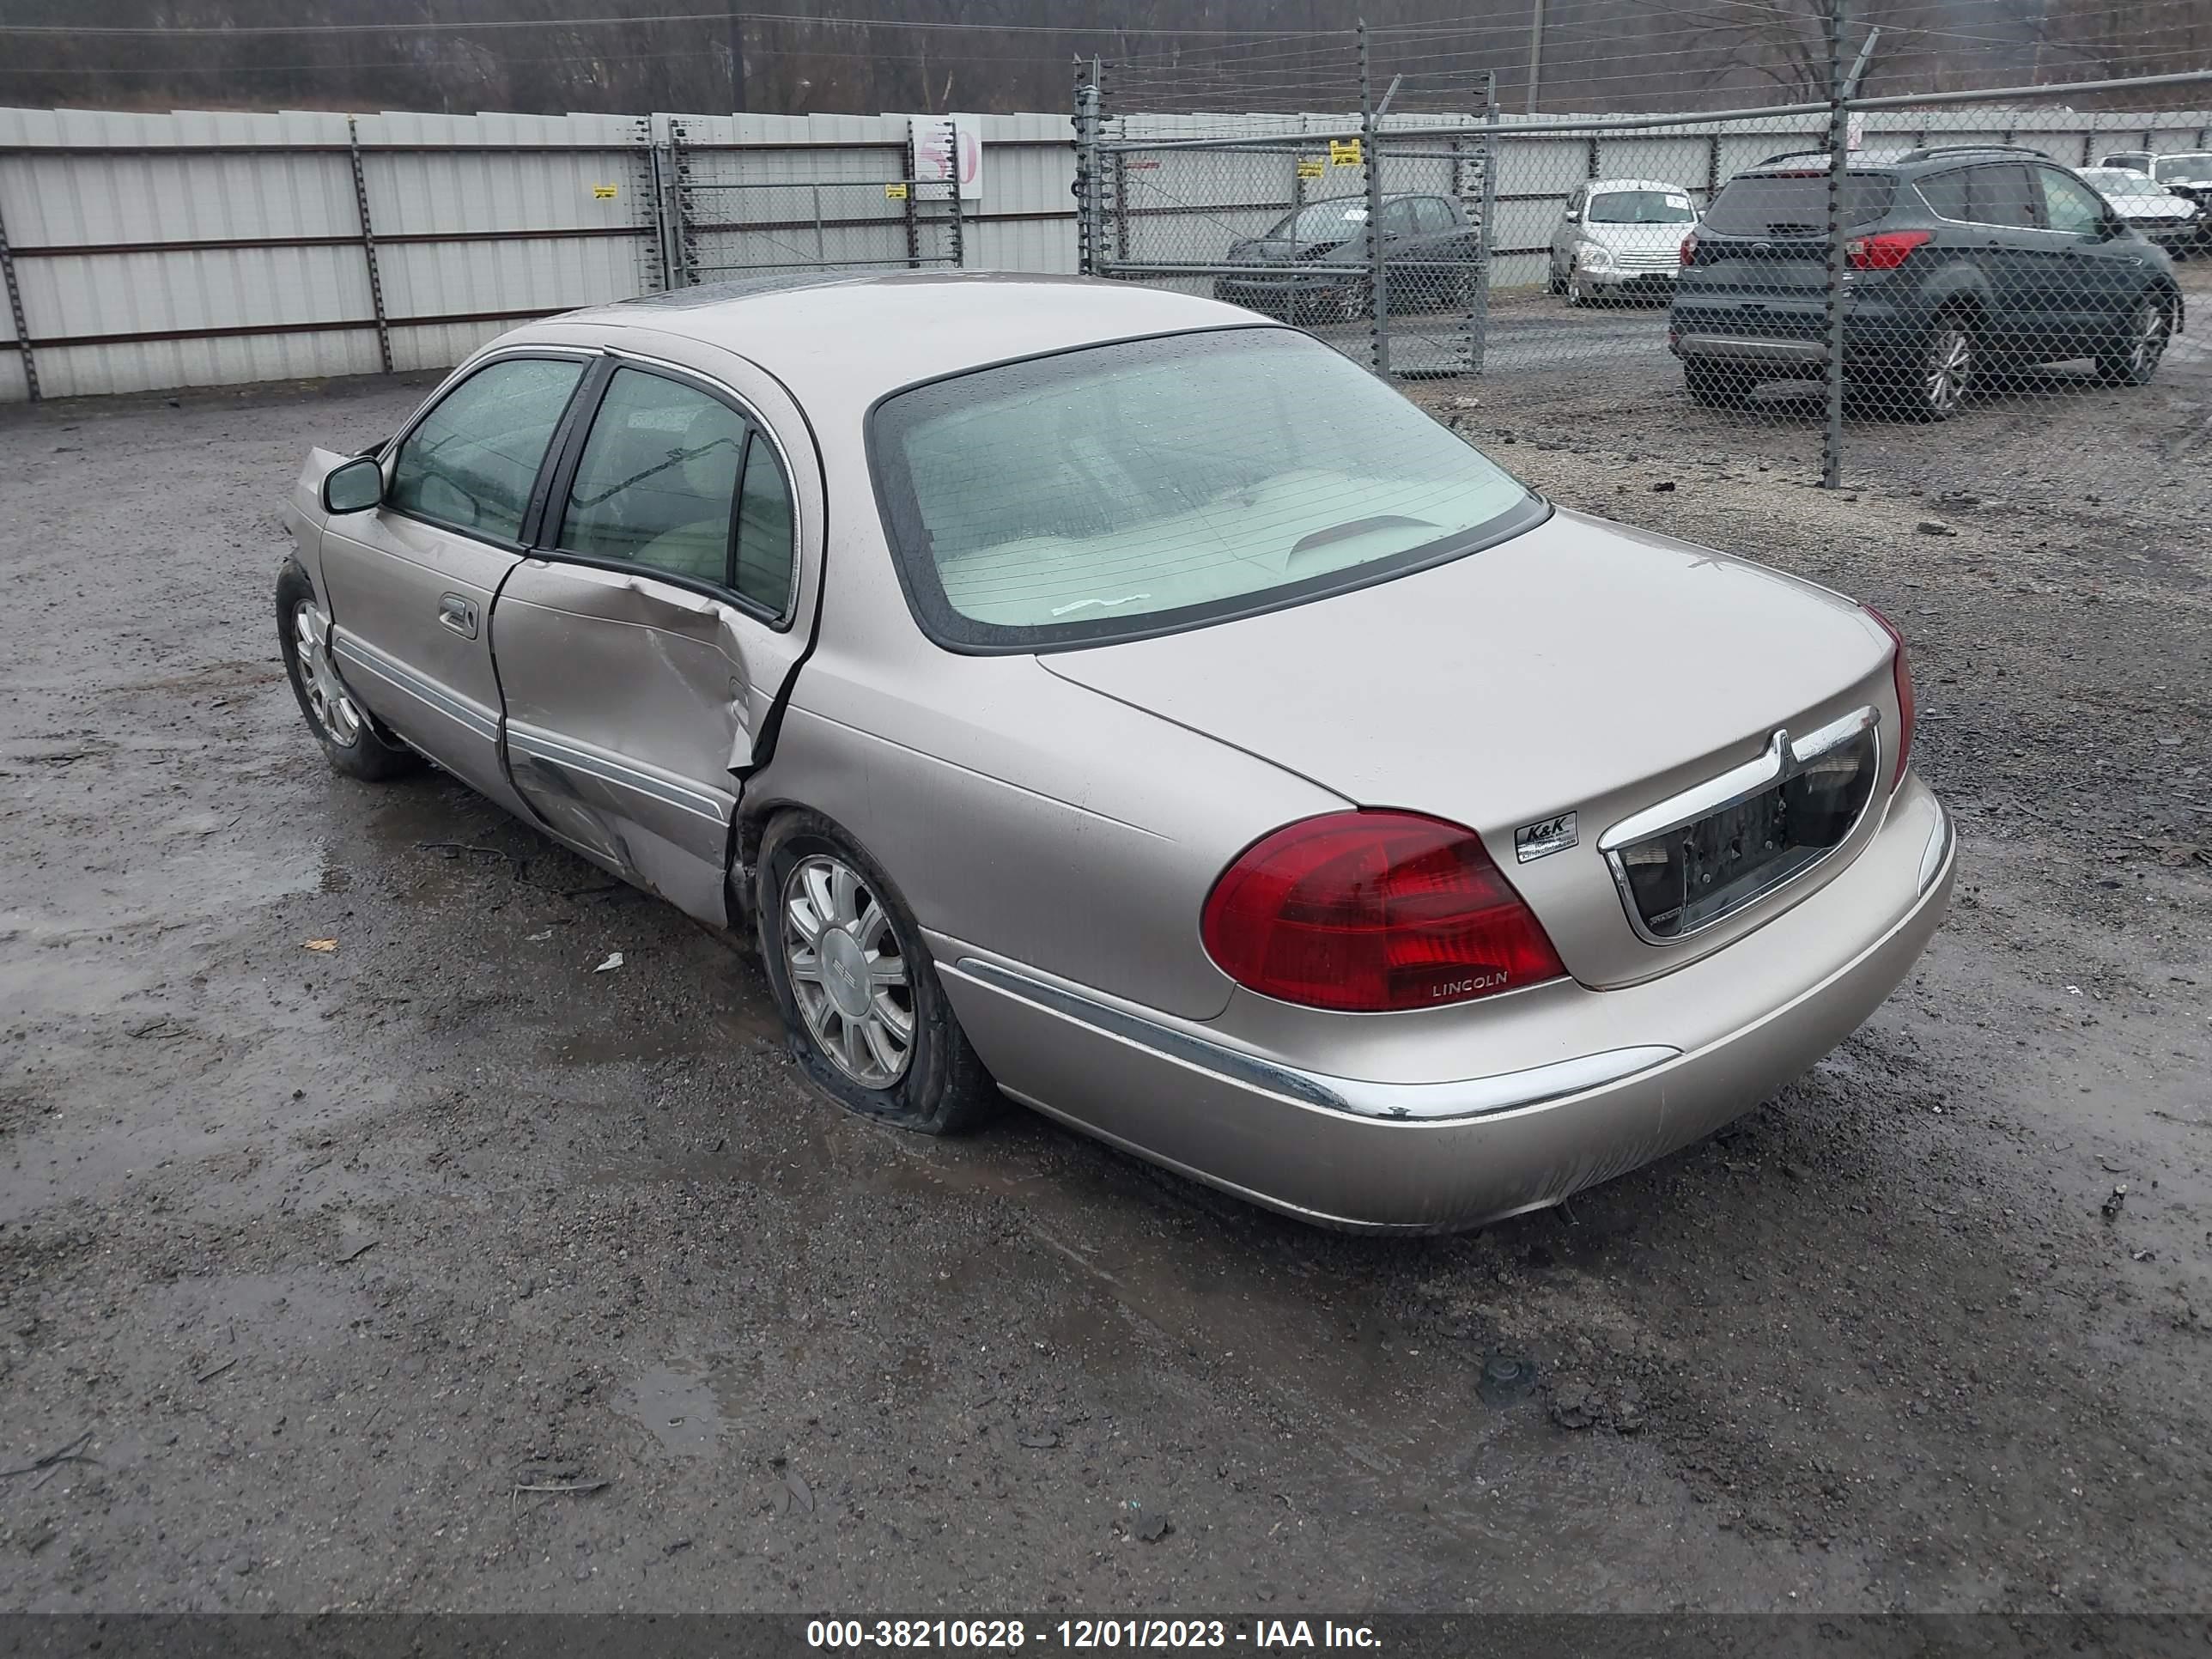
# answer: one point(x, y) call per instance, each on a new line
point(1113, 700)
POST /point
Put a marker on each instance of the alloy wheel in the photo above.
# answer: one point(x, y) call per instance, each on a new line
point(2147, 339)
point(848, 974)
point(1945, 371)
point(327, 696)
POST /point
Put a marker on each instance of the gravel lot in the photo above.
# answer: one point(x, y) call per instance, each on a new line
point(317, 1259)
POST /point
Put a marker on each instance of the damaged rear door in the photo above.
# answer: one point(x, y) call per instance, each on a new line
point(642, 645)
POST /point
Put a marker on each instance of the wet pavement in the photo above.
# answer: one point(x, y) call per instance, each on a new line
point(438, 1270)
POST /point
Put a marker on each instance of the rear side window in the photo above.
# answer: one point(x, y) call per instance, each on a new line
point(765, 540)
point(1796, 203)
point(657, 477)
point(471, 461)
point(1947, 194)
point(2001, 195)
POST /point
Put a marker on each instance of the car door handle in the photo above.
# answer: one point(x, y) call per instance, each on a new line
point(458, 614)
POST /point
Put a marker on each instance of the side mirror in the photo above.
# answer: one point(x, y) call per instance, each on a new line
point(353, 487)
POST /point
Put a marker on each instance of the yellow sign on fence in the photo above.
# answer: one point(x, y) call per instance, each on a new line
point(1311, 167)
point(603, 192)
point(1344, 152)
point(894, 192)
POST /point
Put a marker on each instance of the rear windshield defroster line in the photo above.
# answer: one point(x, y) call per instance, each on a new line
point(1117, 492)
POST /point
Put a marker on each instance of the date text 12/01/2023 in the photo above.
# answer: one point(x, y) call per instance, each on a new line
point(1087, 1634)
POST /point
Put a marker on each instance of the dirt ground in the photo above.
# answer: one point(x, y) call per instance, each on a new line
point(324, 1266)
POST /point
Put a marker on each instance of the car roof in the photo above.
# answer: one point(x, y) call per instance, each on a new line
point(1597, 186)
point(848, 337)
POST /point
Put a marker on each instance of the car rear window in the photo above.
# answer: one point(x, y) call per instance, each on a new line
point(1796, 203)
point(1122, 490)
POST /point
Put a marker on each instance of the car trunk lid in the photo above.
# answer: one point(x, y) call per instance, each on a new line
point(1582, 668)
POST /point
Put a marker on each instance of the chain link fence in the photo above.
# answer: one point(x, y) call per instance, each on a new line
point(738, 210)
point(1800, 268)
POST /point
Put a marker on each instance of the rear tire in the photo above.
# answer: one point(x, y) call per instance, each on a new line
point(352, 740)
point(879, 1038)
point(1717, 386)
point(1935, 386)
point(2132, 359)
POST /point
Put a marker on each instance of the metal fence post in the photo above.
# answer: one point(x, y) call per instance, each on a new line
point(368, 245)
point(1832, 440)
point(959, 226)
point(1089, 240)
point(1478, 314)
point(1378, 274)
point(15, 311)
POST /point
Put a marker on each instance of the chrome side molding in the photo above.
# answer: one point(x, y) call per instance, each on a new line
point(1426, 1102)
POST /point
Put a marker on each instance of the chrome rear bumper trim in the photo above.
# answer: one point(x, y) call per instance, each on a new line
point(1428, 1103)
point(1753, 351)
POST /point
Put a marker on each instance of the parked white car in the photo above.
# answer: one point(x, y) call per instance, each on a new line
point(2165, 217)
point(1621, 237)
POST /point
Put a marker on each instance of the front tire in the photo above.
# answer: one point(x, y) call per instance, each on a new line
point(351, 737)
point(867, 1018)
point(2133, 358)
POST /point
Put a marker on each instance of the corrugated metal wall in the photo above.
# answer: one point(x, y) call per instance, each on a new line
point(152, 252)
point(197, 249)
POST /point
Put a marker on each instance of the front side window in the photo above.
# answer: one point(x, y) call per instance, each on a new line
point(1120, 490)
point(657, 479)
point(471, 461)
point(2194, 168)
point(1434, 215)
point(1642, 207)
point(2069, 204)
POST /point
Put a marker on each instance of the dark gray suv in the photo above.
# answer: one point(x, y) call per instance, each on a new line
point(1962, 261)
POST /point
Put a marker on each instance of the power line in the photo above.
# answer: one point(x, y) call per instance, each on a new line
point(184, 31)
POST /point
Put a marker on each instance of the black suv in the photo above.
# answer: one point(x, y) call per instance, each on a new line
point(1961, 260)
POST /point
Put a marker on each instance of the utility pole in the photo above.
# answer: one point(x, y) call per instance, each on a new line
point(1536, 53)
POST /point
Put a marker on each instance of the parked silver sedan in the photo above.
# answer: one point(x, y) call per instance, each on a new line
point(1076, 718)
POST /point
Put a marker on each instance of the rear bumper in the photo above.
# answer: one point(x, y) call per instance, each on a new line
point(1667, 1063)
point(1791, 339)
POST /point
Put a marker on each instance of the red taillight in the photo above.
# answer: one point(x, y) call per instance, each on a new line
point(1373, 911)
point(1901, 672)
point(1690, 249)
point(1885, 251)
